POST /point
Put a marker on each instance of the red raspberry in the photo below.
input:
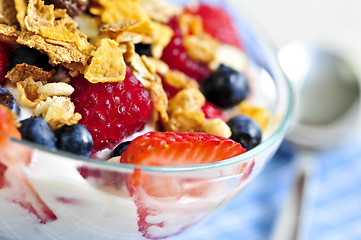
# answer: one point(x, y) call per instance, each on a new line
point(211, 111)
point(4, 60)
point(111, 111)
point(217, 23)
point(176, 57)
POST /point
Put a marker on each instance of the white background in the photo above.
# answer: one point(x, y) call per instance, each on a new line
point(334, 24)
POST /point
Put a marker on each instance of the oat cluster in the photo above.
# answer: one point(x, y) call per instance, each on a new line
point(100, 43)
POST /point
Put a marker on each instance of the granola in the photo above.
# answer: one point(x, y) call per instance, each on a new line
point(100, 45)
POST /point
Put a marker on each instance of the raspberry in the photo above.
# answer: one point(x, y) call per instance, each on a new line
point(217, 23)
point(176, 57)
point(211, 111)
point(111, 111)
point(4, 60)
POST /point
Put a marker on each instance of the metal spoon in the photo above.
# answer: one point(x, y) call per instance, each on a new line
point(327, 109)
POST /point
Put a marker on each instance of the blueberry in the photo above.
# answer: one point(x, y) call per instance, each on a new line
point(246, 131)
point(37, 130)
point(143, 49)
point(225, 87)
point(75, 139)
point(120, 149)
point(7, 99)
point(30, 56)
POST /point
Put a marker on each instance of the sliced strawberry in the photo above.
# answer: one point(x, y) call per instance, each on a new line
point(108, 181)
point(13, 158)
point(159, 198)
point(217, 23)
point(179, 149)
point(212, 111)
point(2, 174)
point(7, 125)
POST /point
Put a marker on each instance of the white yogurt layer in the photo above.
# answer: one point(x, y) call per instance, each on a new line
point(82, 211)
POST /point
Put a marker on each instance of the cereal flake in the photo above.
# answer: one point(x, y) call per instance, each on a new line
point(8, 34)
point(185, 111)
point(159, 10)
point(179, 80)
point(189, 121)
point(21, 6)
point(114, 10)
point(8, 12)
point(55, 33)
point(162, 36)
point(199, 45)
point(159, 100)
point(217, 127)
point(28, 92)
point(23, 71)
point(107, 64)
point(57, 111)
point(259, 114)
point(189, 99)
point(54, 24)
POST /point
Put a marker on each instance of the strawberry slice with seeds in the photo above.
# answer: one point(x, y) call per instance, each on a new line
point(14, 186)
point(162, 200)
point(179, 149)
point(217, 23)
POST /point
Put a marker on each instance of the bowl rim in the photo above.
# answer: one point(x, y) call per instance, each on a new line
point(272, 139)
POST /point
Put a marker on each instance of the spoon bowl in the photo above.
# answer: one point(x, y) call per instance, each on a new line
point(327, 95)
point(326, 111)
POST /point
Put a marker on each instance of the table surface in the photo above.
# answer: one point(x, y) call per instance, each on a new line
point(333, 196)
point(333, 199)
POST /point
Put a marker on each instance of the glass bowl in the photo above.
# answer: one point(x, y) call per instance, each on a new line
point(55, 195)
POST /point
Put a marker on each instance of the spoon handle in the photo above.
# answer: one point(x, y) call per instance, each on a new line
point(289, 223)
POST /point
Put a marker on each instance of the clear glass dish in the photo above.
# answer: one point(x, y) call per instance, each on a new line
point(56, 195)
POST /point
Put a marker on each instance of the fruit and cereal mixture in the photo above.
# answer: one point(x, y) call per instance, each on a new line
point(88, 76)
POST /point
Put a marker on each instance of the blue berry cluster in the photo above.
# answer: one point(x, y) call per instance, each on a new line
point(70, 138)
point(226, 88)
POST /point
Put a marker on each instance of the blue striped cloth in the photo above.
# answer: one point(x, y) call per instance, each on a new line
point(333, 199)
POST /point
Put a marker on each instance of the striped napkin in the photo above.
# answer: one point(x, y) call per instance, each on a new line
point(333, 206)
point(333, 199)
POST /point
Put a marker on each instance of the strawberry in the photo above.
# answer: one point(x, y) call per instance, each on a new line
point(7, 125)
point(13, 182)
point(179, 149)
point(217, 23)
point(158, 197)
